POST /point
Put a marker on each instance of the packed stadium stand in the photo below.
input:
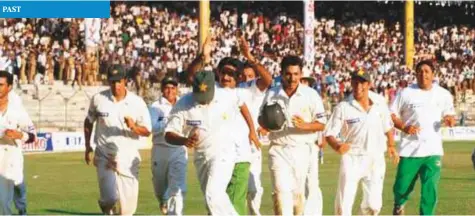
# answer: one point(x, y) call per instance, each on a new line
point(157, 38)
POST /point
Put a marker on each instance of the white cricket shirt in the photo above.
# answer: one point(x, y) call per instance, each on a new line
point(15, 117)
point(252, 96)
point(215, 121)
point(365, 131)
point(112, 136)
point(305, 103)
point(11, 156)
point(426, 110)
point(13, 97)
point(159, 114)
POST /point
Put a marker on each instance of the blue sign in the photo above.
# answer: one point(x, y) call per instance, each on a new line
point(44, 142)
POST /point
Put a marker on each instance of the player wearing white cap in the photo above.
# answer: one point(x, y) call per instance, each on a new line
point(121, 119)
point(290, 151)
point(16, 127)
point(364, 122)
point(168, 161)
point(203, 120)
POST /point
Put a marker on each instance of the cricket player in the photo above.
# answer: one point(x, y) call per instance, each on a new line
point(14, 98)
point(121, 118)
point(16, 127)
point(290, 151)
point(168, 161)
point(204, 120)
point(19, 195)
point(257, 87)
point(249, 156)
point(419, 111)
point(365, 124)
point(313, 193)
point(229, 70)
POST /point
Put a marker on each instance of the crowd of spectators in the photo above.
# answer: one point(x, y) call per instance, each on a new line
point(156, 38)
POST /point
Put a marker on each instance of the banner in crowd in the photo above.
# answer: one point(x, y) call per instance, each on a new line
point(309, 43)
point(93, 31)
point(65, 142)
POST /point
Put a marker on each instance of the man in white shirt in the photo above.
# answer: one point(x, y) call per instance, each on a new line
point(122, 119)
point(419, 112)
point(228, 71)
point(289, 154)
point(16, 127)
point(203, 120)
point(19, 196)
point(168, 161)
point(313, 193)
point(255, 80)
point(364, 123)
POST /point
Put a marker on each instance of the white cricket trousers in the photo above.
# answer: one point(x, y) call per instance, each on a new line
point(169, 176)
point(313, 195)
point(289, 167)
point(255, 189)
point(11, 173)
point(214, 174)
point(370, 171)
point(117, 187)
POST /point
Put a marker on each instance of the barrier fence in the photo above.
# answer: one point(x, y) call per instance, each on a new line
point(74, 141)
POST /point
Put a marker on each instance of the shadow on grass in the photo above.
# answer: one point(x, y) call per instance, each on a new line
point(59, 211)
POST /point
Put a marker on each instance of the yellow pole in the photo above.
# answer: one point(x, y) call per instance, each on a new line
point(204, 20)
point(409, 33)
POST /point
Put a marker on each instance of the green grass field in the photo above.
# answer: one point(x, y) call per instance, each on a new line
point(63, 184)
